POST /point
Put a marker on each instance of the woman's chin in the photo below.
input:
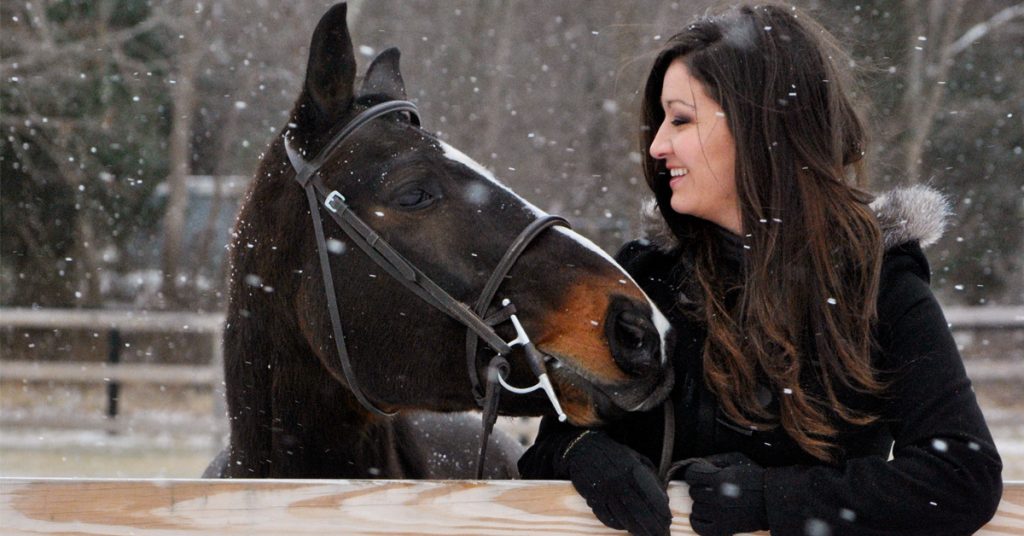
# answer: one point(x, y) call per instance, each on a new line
point(681, 204)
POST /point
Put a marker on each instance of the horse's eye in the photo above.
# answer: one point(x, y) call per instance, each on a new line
point(414, 198)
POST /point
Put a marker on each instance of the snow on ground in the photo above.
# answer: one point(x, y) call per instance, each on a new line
point(191, 438)
point(97, 454)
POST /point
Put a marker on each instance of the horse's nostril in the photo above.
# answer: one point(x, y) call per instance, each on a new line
point(633, 339)
point(630, 330)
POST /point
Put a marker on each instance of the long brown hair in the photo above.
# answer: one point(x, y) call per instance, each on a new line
point(806, 300)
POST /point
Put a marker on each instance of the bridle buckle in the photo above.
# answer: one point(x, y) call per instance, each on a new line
point(334, 196)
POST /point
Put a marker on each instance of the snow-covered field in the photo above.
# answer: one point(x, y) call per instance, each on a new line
point(92, 454)
point(56, 453)
point(97, 454)
point(145, 453)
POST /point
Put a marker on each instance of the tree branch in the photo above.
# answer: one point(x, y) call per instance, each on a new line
point(72, 50)
point(983, 28)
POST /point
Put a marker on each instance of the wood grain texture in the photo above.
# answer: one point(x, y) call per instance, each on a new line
point(258, 507)
point(1009, 519)
point(320, 507)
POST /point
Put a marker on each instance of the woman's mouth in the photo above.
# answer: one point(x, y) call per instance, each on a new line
point(676, 175)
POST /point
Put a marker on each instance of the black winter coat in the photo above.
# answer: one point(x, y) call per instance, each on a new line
point(944, 475)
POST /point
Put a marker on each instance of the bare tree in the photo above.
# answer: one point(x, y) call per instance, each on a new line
point(56, 146)
point(933, 30)
point(188, 21)
point(104, 100)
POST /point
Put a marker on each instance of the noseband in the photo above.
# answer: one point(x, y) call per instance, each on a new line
point(478, 327)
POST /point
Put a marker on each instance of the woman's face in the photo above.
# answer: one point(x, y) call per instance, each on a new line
point(698, 150)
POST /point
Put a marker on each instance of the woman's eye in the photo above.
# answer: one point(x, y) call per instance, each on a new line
point(680, 120)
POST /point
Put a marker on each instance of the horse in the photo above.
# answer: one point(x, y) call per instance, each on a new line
point(347, 353)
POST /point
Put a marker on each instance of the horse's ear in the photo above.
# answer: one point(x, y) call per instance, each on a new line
point(383, 76)
point(331, 72)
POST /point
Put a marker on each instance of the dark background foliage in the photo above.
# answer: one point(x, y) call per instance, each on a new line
point(130, 127)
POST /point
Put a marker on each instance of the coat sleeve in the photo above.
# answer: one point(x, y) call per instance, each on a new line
point(944, 473)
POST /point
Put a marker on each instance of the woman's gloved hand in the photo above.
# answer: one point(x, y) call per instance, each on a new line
point(728, 495)
point(620, 485)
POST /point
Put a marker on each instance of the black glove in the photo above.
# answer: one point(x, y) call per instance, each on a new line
point(619, 484)
point(728, 495)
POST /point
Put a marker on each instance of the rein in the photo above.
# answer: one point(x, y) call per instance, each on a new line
point(487, 395)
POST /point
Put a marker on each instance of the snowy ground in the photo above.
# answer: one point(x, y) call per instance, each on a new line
point(138, 453)
point(55, 453)
point(95, 454)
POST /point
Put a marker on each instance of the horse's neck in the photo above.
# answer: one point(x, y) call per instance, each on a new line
point(319, 429)
point(375, 449)
point(291, 419)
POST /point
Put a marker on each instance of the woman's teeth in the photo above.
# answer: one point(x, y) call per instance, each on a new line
point(678, 172)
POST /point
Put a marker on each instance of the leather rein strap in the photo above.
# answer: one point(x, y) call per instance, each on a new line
point(378, 249)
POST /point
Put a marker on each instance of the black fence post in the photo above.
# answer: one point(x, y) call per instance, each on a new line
point(114, 386)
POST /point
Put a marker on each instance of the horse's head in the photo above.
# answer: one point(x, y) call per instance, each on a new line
point(605, 345)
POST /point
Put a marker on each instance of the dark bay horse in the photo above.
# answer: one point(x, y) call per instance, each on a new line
point(300, 406)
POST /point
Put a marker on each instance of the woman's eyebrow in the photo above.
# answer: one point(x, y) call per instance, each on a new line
point(680, 101)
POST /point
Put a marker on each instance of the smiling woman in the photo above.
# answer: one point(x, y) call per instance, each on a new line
point(810, 344)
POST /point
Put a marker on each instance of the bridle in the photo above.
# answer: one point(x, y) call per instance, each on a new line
point(487, 394)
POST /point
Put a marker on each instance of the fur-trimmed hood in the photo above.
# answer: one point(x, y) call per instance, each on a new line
point(905, 214)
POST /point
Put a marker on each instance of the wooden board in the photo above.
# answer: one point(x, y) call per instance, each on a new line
point(1009, 519)
point(277, 507)
point(320, 507)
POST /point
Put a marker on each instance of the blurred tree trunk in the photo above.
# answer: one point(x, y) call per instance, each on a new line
point(933, 29)
point(183, 105)
point(935, 38)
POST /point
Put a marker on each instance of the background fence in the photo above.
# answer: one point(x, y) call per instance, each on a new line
point(992, 342)
point(113, 373)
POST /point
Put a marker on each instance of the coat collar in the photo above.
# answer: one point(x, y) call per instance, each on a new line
point(916, 213)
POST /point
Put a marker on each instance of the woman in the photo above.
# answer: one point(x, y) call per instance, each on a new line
point(809, 344)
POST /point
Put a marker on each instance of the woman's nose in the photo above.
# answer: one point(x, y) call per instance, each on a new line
point(660, 146)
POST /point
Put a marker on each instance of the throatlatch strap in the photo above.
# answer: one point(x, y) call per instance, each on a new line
point(332, 306)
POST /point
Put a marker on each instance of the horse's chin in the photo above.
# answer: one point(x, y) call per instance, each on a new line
point(610, 401)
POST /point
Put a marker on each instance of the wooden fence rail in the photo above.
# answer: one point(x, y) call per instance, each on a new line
point(317, 507)
point(100, 319)
point(69, 372)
